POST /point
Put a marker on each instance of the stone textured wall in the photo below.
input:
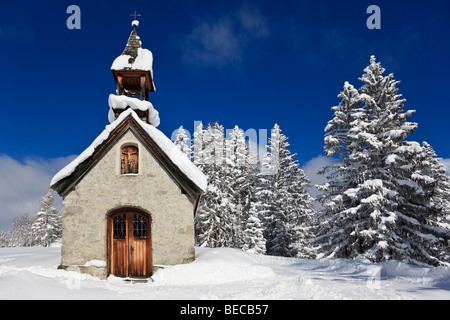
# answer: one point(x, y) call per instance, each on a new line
point(104, 189)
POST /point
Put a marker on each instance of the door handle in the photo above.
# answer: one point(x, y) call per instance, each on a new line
point(131, 249)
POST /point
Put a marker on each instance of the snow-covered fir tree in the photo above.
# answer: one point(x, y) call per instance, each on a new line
point(253, 237)
point(433, 167)
point(47, 226)
point(430, 174)
point(261, 206)
point(4, 239)
point(340, 216)
point(253, 234)
point(247, 207)
point(182, 142)
point(213, 221)
point(374, 207)
point(302, 213)
point(291, 207)
point(240, 174)
point(197, 146)
point(278, 238)
point(19, 234)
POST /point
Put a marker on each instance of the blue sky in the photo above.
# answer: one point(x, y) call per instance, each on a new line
point(246, 63)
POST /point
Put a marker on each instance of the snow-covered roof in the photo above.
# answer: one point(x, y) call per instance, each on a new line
point(142, 62)
point(122, 102)
point(178, 158)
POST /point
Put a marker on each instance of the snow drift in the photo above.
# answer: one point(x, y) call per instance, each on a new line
point(217, 265)
point(223, 273)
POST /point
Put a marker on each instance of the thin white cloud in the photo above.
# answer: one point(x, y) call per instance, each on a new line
point(22, 185)
point(221, 41)
point(254, 22)
point(213, 43)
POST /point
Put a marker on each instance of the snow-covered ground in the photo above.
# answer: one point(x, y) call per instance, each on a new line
point(31, 273)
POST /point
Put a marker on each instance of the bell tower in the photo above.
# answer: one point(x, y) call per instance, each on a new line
point(133, 71)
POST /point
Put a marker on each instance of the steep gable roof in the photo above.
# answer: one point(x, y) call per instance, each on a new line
point(175, 162)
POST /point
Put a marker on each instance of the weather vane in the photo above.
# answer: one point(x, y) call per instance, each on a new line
point(135, 15)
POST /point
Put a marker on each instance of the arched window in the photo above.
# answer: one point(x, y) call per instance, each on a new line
point(130, 160)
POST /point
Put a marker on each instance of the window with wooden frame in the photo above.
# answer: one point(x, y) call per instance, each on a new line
point(129, 160)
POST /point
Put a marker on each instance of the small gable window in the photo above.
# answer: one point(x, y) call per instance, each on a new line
point(130, 160)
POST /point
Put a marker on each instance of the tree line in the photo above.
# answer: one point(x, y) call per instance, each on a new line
point(249, 204)
point(41, 230)
point(387, 198)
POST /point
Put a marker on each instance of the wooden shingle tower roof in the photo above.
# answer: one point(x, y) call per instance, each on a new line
point(133, 44)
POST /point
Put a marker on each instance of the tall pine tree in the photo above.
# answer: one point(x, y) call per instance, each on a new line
point(374, 208)
point(240, 182)
point(291, 205)
point(213, 221)
point(182, 142)
point(47, 227)
point(20, 232)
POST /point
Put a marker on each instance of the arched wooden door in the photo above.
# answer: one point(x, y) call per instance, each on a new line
point(129, 243)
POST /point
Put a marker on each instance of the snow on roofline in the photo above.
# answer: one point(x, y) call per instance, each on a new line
point(167, 146)
point(143, 61)
point(122, 102)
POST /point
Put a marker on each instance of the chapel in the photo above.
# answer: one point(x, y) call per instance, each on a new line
point(129, 199)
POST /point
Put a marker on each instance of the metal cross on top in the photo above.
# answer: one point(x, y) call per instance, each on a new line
point(135, 15)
